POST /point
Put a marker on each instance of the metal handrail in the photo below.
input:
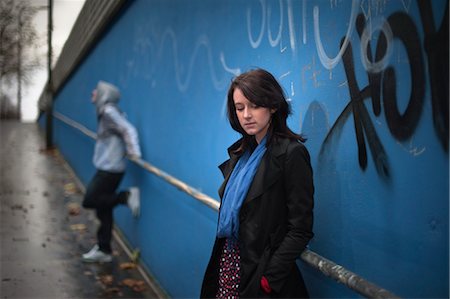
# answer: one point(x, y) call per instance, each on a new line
point(74, 124)
point(325, 266)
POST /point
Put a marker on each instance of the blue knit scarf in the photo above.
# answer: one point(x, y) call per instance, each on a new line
point(236, 191)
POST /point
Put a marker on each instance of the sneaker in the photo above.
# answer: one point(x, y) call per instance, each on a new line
point(134, 201)
point(96, 255)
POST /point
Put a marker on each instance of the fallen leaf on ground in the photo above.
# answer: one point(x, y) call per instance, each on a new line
point(78, 227)
point(135, 255)
point(74, 209)
point(70, 188)
point(106, 279)
point(113, 290)
point(51, 151)
point(125, 266)
point(135, 284)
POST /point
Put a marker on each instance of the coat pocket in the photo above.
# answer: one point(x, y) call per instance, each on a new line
point(251, 287)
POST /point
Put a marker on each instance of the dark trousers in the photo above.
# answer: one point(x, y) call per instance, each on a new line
point(101, 195)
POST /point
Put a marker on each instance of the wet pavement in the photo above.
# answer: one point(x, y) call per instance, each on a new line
point(44, 231)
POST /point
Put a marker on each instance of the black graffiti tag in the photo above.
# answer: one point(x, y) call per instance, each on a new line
point(382, 85)
point(436, 47)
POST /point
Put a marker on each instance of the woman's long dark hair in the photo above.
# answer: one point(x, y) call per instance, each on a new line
point(262, 89)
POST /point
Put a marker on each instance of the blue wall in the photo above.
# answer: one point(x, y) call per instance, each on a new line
point(377, 132)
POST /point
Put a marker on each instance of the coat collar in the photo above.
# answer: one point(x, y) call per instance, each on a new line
point(268, 171)
point(227, 166)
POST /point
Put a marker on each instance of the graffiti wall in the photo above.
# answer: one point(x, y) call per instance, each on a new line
point(368, 84)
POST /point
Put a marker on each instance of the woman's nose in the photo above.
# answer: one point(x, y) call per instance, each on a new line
point(247, 113)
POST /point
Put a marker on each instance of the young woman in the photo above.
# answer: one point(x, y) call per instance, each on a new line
point(266, 213)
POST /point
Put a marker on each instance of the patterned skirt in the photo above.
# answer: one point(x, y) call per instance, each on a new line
point(229, 271)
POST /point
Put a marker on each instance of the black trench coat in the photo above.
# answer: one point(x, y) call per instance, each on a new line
point(275, 219)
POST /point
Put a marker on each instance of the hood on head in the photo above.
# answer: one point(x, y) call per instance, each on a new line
point(106, 93)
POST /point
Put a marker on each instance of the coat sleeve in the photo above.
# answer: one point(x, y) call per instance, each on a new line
point(126, 130)
point(299, 192)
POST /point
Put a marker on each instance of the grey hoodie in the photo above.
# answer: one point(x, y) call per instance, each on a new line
point(116, 137)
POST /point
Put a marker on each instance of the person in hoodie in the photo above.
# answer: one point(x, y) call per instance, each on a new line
point(116, 139)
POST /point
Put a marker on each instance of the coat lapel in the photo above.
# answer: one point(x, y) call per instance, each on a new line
point(227, 167)
point(268, 171)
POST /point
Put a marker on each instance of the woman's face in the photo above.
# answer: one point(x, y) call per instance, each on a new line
point(255, 120)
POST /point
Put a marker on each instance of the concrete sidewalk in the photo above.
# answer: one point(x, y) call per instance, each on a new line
point(44, 231)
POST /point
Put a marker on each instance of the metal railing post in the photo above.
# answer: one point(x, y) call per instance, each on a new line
point(49, 108)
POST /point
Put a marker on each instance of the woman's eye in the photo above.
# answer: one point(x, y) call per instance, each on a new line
point(239, 108)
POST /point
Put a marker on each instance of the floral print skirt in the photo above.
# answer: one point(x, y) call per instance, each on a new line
point(229, 271)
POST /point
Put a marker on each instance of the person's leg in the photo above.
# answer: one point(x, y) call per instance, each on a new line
point(101, 252)
point(101, 191)
point(104, 232)
point(101, 195)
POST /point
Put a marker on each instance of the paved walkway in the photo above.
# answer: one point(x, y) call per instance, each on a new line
point(44, 231)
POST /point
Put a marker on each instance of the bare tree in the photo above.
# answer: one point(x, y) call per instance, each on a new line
point(17, 37)
point(7, 109)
